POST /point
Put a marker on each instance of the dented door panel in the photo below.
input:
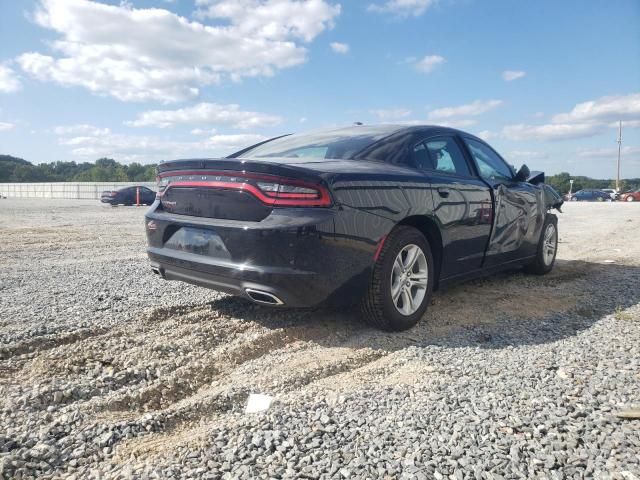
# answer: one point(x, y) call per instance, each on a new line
point(519, 214)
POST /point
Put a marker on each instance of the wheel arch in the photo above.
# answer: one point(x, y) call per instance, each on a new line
point(430, 229)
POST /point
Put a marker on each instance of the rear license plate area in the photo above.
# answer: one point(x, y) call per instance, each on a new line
point(199, 241)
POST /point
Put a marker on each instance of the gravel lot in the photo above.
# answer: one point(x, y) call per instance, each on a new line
point(106, 371)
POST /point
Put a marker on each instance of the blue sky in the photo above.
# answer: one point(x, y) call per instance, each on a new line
point(544, 81)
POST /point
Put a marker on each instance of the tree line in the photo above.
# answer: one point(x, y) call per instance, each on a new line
point(14, 169)
point(561, 183)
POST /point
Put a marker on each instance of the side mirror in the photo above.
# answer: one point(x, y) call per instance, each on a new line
point(522, 174)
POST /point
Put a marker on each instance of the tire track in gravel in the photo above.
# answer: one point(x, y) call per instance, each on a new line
point(202, 358)
point(111, 358)
point(194, 365)
point(336, 362)
point(46, 342)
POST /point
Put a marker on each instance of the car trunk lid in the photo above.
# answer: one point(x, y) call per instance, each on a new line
point(235, 189)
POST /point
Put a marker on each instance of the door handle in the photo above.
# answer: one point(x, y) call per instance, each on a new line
point(443, 192)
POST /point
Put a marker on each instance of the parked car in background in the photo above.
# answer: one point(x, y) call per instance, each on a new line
point(612, 193)
point(379, 215)
point(129, 196)
point(589, 195)
point(631, 196)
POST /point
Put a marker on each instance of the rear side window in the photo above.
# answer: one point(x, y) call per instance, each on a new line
point(490, 165)
point(343, 143)
point(441, 154)
point(421, 157)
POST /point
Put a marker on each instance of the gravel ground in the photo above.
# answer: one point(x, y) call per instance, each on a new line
point(106, 371)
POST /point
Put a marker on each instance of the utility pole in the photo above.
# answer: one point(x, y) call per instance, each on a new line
point(619, 150)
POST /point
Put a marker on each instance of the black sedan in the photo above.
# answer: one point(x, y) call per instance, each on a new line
point(375, 215)
point(588, 195)
point(136, 195)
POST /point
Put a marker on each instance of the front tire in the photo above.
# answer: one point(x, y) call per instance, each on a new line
point(547, 248)
point(401, 282)
point(630, 199)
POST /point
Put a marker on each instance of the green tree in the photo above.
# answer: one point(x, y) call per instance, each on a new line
point(559, 182)
point(27, 173)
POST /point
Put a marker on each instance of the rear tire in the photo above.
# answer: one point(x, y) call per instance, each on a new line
point(405, 252)
point(545, 258)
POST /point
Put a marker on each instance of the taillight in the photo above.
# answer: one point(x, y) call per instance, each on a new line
point(282, 190)
point(162, 183)
point(270, 190)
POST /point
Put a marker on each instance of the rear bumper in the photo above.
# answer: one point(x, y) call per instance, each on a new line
point(292, 288)
point(292, 255)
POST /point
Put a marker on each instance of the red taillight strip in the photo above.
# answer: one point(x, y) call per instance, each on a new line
point(303, 201)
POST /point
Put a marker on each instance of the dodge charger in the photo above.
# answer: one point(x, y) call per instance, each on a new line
point(375, 216)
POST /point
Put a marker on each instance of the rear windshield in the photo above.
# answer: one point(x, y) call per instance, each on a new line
point(334, 144)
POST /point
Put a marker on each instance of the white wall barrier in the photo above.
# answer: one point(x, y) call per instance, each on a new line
point(70, 190)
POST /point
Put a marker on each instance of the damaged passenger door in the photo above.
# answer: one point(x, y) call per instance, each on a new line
point(518, 210)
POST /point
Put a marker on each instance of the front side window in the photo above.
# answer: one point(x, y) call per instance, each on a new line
point(490, 165)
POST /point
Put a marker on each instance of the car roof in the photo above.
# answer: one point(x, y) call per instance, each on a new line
point(380, 130)
point(387, 128)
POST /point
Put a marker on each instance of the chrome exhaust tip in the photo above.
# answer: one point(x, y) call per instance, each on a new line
point(260, 296)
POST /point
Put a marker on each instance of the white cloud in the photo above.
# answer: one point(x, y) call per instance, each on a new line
point(458, 123)
point(205, 114)
point(338, 47)
point(626, 124)
point(610, 152)
point(273, 20)
point(4, 126)
point(558, 131)
point(470, 109)
point(527, 155)
point(202, 131)
point(428, 63)
point(455, 123)
point(487, 134)
point(9, 82)
point(89, 142)
point(511, 75)
point(615, 107)
point(586, 119)
point(153, 54)
point(80, 129)
point(402, 8)
point(235, 142)
point(391, 114)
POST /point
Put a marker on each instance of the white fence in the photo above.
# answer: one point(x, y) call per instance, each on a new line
point(72, 190)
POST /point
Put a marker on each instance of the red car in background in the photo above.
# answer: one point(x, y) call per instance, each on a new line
point(630, 196)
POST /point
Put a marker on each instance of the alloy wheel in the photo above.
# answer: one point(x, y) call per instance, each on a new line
point(409, 279)
point(550, 243)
